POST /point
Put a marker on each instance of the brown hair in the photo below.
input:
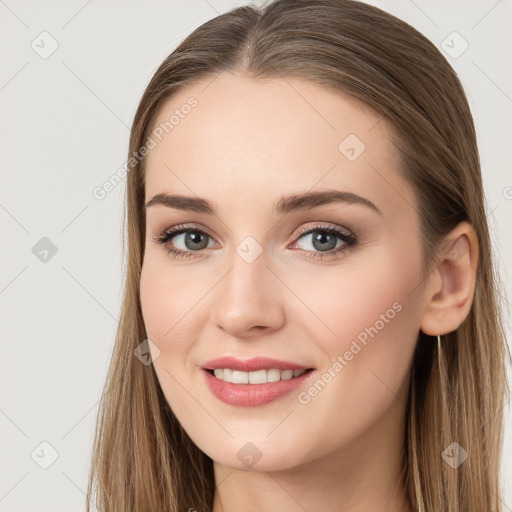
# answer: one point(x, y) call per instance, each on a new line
point(142, 458)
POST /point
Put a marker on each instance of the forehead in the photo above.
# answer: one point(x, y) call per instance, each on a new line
point(259, 138)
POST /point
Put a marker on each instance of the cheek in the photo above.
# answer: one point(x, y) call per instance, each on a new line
point(366, 318)
point(353, 301)
point(167, 300)
point(155, 300)
point(174, 304)
point(374, 319)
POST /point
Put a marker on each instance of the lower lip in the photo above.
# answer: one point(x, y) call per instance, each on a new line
point(252, 395)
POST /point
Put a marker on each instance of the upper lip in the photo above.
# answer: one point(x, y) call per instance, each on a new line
point(250, 365)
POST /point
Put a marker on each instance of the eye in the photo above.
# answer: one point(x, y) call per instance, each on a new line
point(322, 241)
point(190, 239)
point(325, 241)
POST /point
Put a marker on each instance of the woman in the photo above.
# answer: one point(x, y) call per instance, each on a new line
point(256, 369)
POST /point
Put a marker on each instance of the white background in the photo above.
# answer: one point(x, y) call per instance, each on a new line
point(64, 130)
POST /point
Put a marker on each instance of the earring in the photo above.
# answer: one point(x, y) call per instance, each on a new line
point(439, 351)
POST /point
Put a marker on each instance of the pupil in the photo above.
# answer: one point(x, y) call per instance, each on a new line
point(195, 238)
point(321, 238)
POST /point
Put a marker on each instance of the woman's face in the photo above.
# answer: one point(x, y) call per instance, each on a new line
point(259, 275)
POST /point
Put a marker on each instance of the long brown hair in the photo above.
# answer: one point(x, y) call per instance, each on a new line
point(142, 459)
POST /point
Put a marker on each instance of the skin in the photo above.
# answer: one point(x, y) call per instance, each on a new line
point(247, 144)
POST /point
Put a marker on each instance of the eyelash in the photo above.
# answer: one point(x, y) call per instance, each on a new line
point(349, 240)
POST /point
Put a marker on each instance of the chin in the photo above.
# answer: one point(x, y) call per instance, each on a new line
point(257, 455)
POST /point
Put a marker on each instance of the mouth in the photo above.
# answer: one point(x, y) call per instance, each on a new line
point(254, 382)
point(255, 388)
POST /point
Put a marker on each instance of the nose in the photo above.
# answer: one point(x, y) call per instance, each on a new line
point(248, 301)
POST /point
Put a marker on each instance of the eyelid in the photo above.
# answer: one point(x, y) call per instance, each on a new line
point(324, 225)
point(175, 230)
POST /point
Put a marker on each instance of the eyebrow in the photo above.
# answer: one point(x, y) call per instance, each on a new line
point(282, 206)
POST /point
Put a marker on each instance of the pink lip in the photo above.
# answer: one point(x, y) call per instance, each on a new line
point(251, 365)
point(252, 395)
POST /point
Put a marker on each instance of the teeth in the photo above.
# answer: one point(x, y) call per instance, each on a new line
point(256, 377)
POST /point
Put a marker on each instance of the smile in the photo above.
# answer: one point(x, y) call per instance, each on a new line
point(257, 390)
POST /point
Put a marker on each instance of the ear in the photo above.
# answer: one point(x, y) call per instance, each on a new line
point(451, 286)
